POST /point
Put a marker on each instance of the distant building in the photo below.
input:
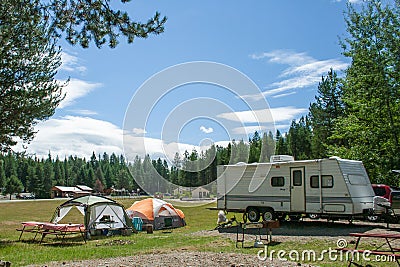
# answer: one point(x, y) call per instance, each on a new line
point(85, 188)
point(200, 192)
point(181, 190)
point(70, 191)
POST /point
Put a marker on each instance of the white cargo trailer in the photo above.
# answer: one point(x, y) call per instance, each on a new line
point(332, 188)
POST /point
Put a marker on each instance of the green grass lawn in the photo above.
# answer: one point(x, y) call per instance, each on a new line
point(198, 218)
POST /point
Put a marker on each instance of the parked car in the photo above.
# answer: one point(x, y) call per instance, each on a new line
point(25, 196)
point(391, 195)
point(382, 190)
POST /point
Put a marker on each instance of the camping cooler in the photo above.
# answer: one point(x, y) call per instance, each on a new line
point(137, 223)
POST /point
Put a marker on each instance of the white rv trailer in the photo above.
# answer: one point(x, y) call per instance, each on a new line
point(329, 188)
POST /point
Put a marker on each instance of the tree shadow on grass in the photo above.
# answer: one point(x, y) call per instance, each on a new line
point(63, 244)
point(250, 244)
point(4, 243)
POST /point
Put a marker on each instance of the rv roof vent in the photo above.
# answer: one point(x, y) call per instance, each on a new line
point(281, 158)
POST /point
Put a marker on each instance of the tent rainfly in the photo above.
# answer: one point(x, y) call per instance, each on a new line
point(157, 212)
point(99, 213)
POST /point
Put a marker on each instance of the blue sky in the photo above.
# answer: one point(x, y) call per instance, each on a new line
point(284, 47)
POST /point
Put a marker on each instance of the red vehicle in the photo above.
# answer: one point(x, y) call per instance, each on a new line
point(382, 190)
point(392, 194)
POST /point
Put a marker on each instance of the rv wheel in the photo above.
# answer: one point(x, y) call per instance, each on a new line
point(268, 215)
point(373, 218)
point(313, 216)
point(253, 215)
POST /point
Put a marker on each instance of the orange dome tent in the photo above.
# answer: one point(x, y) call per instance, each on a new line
point(157, 212)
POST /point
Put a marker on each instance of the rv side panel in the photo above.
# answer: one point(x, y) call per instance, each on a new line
point(358, 184)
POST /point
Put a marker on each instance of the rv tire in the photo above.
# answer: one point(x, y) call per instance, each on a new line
point(314, 216)
point(373, 218)
point(253, 214)
point(268, 215)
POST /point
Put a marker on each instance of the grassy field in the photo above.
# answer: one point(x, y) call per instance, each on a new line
point(198, 218)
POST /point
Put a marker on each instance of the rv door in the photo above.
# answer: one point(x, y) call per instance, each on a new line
point(297, 198)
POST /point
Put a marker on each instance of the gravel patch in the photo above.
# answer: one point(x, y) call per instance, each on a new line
point(178, 259)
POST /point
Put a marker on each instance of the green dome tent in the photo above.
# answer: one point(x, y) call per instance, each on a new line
point(100, 213)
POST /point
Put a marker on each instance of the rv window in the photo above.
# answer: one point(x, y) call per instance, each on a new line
point(357, 179)
point(277, 181)
point(327, 181)
point(314, 181)
point(297, 178)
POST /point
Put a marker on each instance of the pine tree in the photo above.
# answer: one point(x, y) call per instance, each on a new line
point(323, 114)
point(38, 183)
point(67, 174)
point(30, 58)
point(10, 165)
point(58, 174)
point(91, 177)
point(281, 144)
point(299, 139)
point(255, 148)
point(13, 185)
point(176, 165)
point(109, 177)
point(2, 174)
point(48, 177)
point(371, 91)
point(267, 147)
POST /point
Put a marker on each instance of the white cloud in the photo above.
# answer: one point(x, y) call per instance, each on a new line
point(283, 95)
point(85, 112)
point(303, 71)
point(154, 147)
point(286, 113)
point(247, 130)
point(206, 130)
point(273, 115)
point(222, 143)
point(71, 63)
point(76, 89)
point(138, 131)
point(282, 127)
point(73, 135)
point(287, 57)
point(81, 136)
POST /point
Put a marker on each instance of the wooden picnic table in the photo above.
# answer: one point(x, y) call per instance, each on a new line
point(30, 227)
point(391, 253)
point(45, 228)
